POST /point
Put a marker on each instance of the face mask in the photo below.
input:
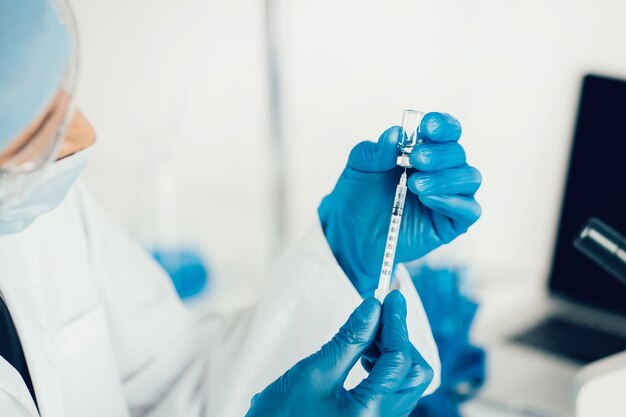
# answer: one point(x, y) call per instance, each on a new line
point(45, 195)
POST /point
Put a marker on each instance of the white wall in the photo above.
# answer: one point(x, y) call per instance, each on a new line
point(182, 81)
point(180, 85)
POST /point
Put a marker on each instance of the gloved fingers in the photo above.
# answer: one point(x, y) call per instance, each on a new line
point(368, 364)
point(432, 156)
point(406, 400)
point(394, 364)
point(394, 308)
point(371, 354)
point(463, 210)
point(393, 329)
point(421, 374)
point(386, 376)
point(463, 180)
point(376, 157)
point(446, 228)
point(440, 127)
point(332, 363)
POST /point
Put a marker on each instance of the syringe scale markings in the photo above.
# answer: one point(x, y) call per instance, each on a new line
point(389, 255)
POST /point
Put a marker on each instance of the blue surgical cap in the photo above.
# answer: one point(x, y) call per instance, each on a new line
point(35, 50)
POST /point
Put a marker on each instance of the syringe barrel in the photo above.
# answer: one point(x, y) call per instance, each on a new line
point(391, 244)
point(398, 202)
point(384, 280)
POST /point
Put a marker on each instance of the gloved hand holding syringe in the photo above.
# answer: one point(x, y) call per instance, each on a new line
point(407, 141)
point(439, 189)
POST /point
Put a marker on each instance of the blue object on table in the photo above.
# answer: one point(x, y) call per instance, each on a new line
point(186, 268)
point(450, 312)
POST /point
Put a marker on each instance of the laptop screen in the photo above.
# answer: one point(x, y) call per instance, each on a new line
point(595, 186)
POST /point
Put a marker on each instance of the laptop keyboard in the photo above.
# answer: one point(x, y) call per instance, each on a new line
point(574, 341)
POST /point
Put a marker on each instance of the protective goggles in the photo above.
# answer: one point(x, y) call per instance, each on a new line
point(25, 158)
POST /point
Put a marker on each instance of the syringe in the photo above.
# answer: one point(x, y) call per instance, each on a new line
point(410, 137)
point(392, 240)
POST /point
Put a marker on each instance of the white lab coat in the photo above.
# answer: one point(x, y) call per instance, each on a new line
point(105, 334)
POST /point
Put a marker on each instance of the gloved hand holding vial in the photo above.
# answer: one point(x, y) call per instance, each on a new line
point(418, 175)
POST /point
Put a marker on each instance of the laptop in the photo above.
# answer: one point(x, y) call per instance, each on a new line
point(532, 364)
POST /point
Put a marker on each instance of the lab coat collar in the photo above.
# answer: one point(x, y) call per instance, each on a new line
point(20, 283)
point(12, 384)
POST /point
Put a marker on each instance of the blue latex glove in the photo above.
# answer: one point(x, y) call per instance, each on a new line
point(315, 385)
point(441, 205)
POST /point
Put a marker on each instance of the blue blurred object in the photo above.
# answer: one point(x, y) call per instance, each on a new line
point(186, 268)
point(315, 386)
point(440, 206)
point(450, 312)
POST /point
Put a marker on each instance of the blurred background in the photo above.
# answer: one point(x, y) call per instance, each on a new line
point(221, 124)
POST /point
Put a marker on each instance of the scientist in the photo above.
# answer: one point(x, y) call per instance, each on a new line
point(91, 326)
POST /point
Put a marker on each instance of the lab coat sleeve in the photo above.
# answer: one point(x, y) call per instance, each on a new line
point(161, 349)
point(174, 363)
